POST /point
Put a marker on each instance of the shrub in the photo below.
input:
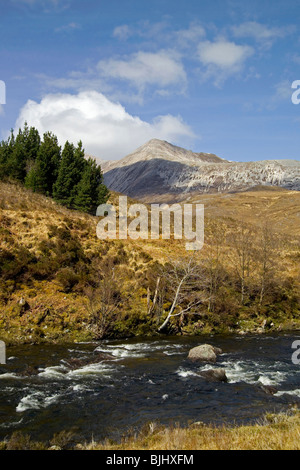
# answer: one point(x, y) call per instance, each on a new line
point(20, 441)
point(67, 279)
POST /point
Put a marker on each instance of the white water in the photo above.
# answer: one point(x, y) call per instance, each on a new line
point(150, 380)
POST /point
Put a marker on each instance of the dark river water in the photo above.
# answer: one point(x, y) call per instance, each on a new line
point(105, 389)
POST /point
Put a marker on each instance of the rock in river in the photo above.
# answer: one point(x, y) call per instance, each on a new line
point(204, 353)
point(214, 375)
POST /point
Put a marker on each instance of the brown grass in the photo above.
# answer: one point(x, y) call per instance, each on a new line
point(275, 432)
point(26, 220)
point(277, 205)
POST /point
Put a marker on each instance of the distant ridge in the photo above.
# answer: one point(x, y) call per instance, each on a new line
point(159, 170)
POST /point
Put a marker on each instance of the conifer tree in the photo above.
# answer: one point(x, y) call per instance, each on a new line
point(17, 164)
point(31, 179)
point(32, 142)
point(69, 178)
point(24, 152)
point(47, 164)
point(77, 169)
point(103, 193)
point(64, 185)
point(6, 151)
point(90, 192)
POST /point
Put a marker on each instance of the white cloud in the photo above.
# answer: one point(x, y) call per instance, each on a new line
point(44, 3)
point(282, 93)
point(27, 2)
point(122, 32)
point(222, 58)
point(263, 34)
point(153, 32)
point(162, 72)
point(161, 68)
point(223, 54)
point(162, 32)
point(68, 27)
point(75, 81)
point(187, 36)
point(105, 128)
point(283, 90)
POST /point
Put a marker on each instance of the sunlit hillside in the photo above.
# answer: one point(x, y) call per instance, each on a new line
point(60, 282)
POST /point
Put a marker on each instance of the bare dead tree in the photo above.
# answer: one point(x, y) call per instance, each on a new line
point(213, 259)
point(265, 259)
point(184, 278)
point(151, 307)
point(242, 244)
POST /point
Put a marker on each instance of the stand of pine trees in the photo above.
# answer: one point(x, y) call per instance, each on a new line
point(66, 175)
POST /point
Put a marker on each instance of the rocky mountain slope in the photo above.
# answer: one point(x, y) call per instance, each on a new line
point(161, 171)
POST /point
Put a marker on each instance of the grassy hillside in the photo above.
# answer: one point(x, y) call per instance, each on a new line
point(279, 206)
point(59, 282)
point(49, 257)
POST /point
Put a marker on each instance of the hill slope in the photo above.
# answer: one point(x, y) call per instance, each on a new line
point(56, 276)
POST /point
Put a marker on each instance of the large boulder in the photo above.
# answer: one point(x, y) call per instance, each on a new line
point(214, 375)
point(204, 353)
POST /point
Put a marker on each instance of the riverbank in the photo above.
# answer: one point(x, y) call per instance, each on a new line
point(273, 432)
point(19, 339)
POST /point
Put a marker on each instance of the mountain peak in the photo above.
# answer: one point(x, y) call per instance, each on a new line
point(163, 145)
point(159, 169)
point(156, 149)
point(156, 141)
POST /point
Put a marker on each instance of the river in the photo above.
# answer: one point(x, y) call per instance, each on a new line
point(105, 389)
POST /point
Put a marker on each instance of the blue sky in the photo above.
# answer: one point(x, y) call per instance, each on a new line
point(210, 76)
